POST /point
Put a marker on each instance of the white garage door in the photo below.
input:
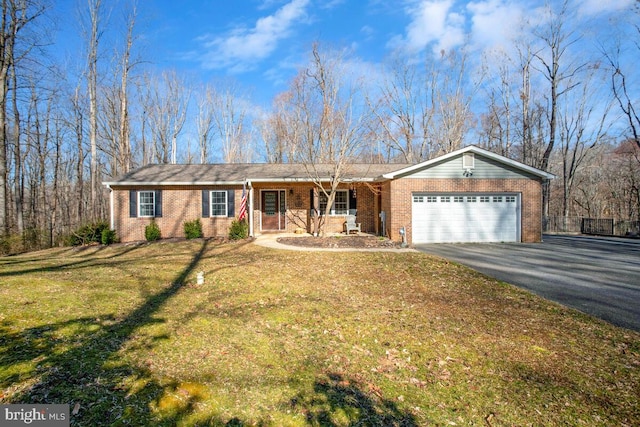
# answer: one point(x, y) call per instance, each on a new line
point(439, 218)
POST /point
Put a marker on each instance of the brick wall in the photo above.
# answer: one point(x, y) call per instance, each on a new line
point(179, 204)
point(184, 203)
point(397, 200)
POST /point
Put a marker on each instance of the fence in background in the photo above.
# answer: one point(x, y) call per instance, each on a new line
point(596, 226)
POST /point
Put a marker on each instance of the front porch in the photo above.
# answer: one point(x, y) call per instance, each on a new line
point(287, 208)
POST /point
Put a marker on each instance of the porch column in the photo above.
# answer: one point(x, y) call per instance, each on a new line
point(250, 208)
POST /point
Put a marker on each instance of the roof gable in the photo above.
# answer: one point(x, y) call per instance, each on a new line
point(437, 167)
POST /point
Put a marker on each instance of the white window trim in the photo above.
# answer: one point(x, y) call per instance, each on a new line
point(332, 212)
point(211, 200)
point(153, 204)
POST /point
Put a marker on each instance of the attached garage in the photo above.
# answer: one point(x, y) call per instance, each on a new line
point(468, 195)
point(471, 217)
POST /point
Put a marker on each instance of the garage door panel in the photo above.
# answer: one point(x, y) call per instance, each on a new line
point(465, 218)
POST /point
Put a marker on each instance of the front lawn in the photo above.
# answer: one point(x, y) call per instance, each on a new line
point(125, 336)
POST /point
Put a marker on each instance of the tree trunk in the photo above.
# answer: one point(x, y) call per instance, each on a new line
point(17, 158)
point(92, 83)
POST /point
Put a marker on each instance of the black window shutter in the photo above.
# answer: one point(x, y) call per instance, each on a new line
point(158, 207)
point(352, 200)
point(311, 211)
point(205, 204)
point(231, 212)
point(133, 203)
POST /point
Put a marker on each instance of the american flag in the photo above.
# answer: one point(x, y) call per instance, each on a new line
point(243, 204)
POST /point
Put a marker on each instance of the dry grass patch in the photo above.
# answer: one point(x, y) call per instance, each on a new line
point(125, 336)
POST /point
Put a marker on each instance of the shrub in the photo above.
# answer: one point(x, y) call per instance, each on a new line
point(108, 236)
point(88, 233)
point(238, 230)
point(152, 232)
point(193, 229)
point(10, 244)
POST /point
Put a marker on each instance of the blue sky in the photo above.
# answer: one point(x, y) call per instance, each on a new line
point(261, 43)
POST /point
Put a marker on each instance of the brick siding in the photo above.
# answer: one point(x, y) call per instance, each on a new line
point(179, 204)
point(397, 201)
point(184, 203)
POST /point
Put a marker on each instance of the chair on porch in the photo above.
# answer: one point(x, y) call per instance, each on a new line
point(351, 224)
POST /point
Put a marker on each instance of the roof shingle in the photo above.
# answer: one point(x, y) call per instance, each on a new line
point(237, 173)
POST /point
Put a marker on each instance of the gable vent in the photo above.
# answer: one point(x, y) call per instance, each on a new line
point(468, 161)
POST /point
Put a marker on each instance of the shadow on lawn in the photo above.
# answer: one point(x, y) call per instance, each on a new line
point(86, 370)
point(79, 362)
point(79, 257)
point(338, 400)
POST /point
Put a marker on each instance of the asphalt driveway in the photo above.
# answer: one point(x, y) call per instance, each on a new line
point(598, 276)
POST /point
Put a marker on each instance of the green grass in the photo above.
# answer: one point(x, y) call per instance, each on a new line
point(125, 336)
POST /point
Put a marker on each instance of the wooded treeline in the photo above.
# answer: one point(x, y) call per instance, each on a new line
point(554, 99)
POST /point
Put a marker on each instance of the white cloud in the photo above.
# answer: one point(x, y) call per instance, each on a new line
point(494, 23)
point(242, 47)
point(432, 22)
point(595, 7)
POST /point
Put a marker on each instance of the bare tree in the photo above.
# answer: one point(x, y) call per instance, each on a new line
point(583, 123)
point(329, 119)
point(18, 192)
point(114, 118)
point(452, 95)
point(95, 33)
point(124, 149)
point(76, 121)
point(16, 15)
point(401, 110)
point(204, 122)
point(622, 81)
point(422, 115)
point(231, 123)
point(557, 67)
point(144, 97)
point(497, 123)
point(280, 131)
point(168, 101)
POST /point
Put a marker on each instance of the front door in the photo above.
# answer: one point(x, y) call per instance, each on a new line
point(273, 209)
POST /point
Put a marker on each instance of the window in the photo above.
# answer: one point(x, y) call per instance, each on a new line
point(497, 199)
point(432, 199)
point(471, 199)
point(146, 204)
point(340, 204)
point(218, 203)
point(418, 199)
point(458, 199)
point(510, 199)
point(445, 199)
point(485, 199)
